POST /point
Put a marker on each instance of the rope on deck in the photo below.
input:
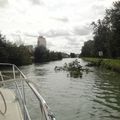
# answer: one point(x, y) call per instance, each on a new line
point(3, 113)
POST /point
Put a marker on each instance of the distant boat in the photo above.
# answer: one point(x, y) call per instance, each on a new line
point(13, 104)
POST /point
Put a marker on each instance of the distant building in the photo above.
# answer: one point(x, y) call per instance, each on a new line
point(41, 41)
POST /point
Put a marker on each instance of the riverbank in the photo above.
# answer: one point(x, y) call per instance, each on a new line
point(111, 64)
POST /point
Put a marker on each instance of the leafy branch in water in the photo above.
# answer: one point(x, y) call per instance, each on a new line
point(74, 68)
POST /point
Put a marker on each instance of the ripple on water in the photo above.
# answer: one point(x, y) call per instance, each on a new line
point(94, 97)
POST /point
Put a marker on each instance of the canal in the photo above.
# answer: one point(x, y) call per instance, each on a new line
point(95, 96)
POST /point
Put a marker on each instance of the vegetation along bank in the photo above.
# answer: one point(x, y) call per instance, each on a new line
point(111, 64)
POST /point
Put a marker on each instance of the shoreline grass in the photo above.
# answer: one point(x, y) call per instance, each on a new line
point(111, 64)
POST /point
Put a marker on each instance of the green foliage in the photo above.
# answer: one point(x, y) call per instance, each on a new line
point(112, 64)
point(12, 54)
point(21, 55)
point(41, 54)
point(106, 35)
point(74, 68)
point(88, 49)
point(72, 55)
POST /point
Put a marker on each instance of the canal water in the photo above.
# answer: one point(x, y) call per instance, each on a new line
point(95, 96)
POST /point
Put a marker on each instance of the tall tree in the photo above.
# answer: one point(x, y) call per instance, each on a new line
point(11, 53)
point(102, 38)
point(88, 49)
point(113, 15)
point(107, 33)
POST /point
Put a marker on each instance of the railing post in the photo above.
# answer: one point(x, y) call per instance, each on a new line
point(24, 100)
point(2, 78)
point(13, 68)
point(13, 71)
point(23, 90)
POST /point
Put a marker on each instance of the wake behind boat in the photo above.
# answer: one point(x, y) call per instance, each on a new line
point(13, 102)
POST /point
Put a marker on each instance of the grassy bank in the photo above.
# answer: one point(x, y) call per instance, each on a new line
point(111, 64)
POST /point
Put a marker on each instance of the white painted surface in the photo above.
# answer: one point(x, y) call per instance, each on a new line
point(13, 108)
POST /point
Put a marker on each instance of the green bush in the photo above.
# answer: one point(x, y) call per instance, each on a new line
point(11, 53)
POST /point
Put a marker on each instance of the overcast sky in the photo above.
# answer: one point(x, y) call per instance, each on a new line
point(64, 23)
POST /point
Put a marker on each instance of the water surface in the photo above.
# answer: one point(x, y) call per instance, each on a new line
point(95, 96)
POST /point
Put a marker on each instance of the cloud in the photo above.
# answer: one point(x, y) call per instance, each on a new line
point(70, 38)
point(17, 38)
point(3, 3)
point(100, 9)
point(62, 23)
point(50, 44)
point(30, 35)
point(61, 19)
point(74, 43)
point(82, 31)
point(49, 34)
point(57, 33)
point(36, 2)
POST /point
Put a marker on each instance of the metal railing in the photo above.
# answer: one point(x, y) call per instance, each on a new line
point(17, 75)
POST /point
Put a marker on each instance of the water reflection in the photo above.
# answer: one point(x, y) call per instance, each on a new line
point(40, 72)
point(94, 97)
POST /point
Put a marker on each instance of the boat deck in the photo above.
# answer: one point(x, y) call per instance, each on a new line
point(13, 108)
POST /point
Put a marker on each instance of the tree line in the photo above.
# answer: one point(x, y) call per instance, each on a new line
point(11, 53)
point(20, 55)
point(41, 54)
point(106, 35)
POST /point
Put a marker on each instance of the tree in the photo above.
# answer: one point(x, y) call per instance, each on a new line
point(41, 54)
point(72, 55)
point(101, 38)
point(106, 34)
point(113, 15)
point(88, 49)
point(59, 55)
point(12, 54)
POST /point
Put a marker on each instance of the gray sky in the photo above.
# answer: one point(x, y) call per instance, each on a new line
point(64, 23)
